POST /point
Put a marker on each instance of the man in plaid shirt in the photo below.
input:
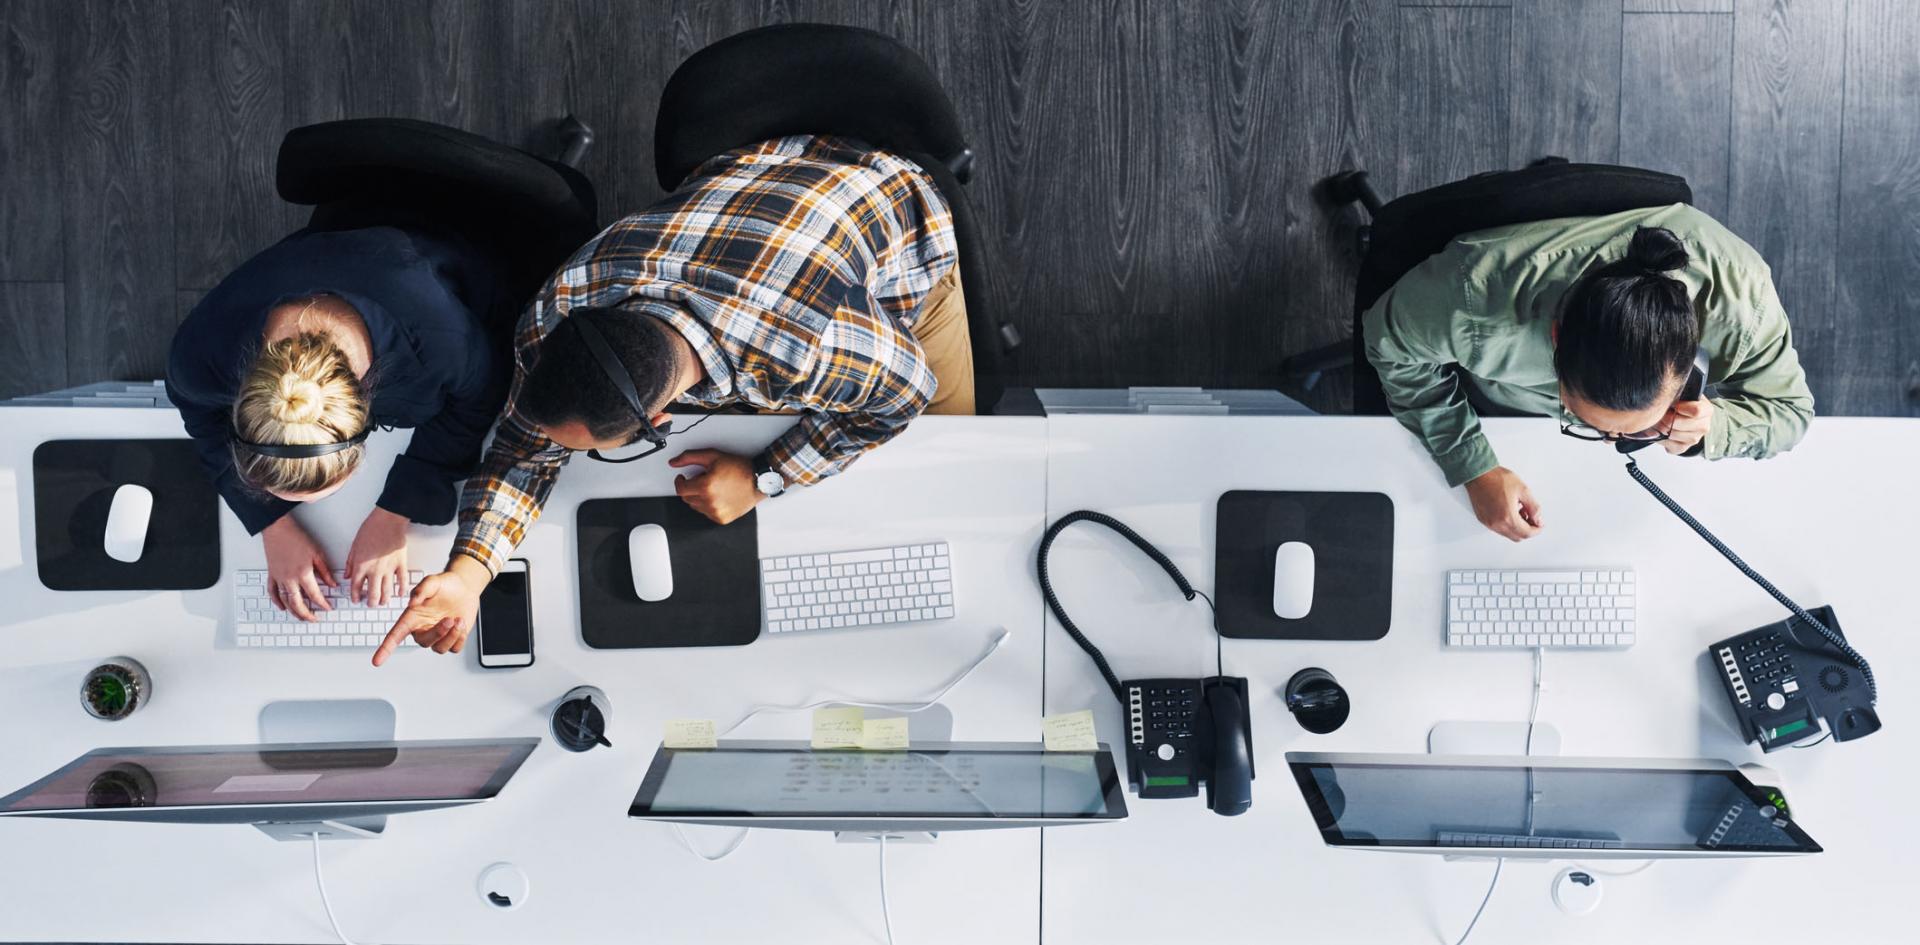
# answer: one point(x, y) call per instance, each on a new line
point(812, 274)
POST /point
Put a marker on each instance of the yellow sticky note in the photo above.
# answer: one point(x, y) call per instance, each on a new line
point(690, 733)
point(838, 727)
point(1072, 731)
point(884, 734)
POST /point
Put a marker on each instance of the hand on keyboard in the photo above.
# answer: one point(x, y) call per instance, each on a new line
point(440, 612)
point(377, 562)
point(296, 567)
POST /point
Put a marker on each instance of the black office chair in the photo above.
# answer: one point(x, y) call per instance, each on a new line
point(812, 78)
point(525, 214)
point(1410, 229)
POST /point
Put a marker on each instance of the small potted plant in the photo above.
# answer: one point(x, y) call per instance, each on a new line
point(115, 688)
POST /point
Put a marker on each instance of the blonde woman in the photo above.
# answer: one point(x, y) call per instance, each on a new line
point(282, 371)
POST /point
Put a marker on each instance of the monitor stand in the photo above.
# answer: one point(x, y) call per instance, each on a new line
point(306, 721)
point(320, 721)
point(346, 828)
point(1491, 738)
point(893, 836)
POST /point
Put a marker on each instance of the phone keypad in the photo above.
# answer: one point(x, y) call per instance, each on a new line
point(1765, 663)
point(1169, 711)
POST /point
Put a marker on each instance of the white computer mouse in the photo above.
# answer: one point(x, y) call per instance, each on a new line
point(127, 520)
point(652, 568)
point(1292, 580)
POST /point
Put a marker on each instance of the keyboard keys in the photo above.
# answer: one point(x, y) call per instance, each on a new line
point(258, 624)
point(1592, 609)
point(872, 587)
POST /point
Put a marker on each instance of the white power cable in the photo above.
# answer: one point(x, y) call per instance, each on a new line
point(999, 639)
point(886, 914)
point(1533, 719)
point(1497, 864)
point(1638, 869)
point(725, 851)
point(1531, 716)
point(320, 880)
point(1533, 713)
point(908, 707)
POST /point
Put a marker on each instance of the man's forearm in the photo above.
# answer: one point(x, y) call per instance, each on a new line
point(470, 569)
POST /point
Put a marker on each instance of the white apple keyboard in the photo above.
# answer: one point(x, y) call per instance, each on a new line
point(868, 588)
point(1571, 609)
point(259, 624)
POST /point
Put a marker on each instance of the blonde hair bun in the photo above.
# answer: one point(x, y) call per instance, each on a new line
point(299, 400)
point(299, 390)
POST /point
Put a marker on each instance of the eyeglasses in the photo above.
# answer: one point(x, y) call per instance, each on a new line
point(655, 437)
point(1581, 431)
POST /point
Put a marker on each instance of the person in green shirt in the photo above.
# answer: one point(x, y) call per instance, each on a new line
point(1595, 320)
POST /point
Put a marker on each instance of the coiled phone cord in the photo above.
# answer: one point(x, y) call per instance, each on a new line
point(1837, 641)
point(1060, 613)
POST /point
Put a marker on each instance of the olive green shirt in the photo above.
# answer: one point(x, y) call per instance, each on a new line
point(1487, 303)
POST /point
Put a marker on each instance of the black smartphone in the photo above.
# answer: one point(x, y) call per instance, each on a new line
point(505, 624)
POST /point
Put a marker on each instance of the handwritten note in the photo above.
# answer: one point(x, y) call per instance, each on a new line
point(884, 734)
point(838, 727)
point(1072, 731)
point(690, 733)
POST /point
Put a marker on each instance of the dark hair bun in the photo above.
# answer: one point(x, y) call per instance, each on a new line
point(1655, 249)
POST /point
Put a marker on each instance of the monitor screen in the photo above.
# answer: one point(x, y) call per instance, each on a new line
point(1445, 806)
point(275, 775)
point(790, 780)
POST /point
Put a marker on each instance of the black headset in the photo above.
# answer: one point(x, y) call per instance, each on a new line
point(623, 382)
point(303, 450)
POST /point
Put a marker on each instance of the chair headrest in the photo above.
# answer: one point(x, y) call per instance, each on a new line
point(339, 160)
point(801, 78)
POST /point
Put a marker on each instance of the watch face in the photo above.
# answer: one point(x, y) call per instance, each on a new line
point(770, 483)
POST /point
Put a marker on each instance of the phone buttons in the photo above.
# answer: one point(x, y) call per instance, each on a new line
point(1165, 752)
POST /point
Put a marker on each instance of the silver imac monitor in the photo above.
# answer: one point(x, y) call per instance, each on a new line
point(284, 789)
point(1543, 807)
point(929, 788)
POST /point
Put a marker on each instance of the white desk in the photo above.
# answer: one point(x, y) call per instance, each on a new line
point(1832, 522)
point(1839, 531)
point(596, 876)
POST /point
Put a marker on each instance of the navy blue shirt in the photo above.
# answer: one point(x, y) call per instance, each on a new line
point(436, 367)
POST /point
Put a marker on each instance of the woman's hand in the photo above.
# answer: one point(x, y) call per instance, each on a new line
point(377, 562)
point(1503, 503)
point(296, 567)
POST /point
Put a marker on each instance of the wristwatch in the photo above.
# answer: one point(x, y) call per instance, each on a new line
point(766, 479)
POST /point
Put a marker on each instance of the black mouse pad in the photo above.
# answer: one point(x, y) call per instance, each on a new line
point(73, 486)
point(1351, 534)
point(716, 577)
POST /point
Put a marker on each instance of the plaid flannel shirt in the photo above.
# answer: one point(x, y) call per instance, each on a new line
point(794, 268)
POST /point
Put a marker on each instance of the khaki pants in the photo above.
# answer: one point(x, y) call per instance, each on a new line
point(941, 330)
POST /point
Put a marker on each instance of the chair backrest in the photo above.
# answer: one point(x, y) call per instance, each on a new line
point(420, 162)
point(1411, 228)
point(802, 78)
